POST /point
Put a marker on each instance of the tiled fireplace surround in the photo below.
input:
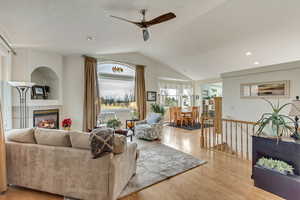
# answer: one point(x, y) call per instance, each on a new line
point(31, 109)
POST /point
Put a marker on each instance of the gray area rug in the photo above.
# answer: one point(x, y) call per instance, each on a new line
point(156, 163)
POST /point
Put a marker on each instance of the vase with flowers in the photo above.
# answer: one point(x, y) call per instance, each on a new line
point(67, 123)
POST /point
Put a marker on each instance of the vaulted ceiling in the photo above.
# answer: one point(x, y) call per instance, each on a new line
point(207, 38)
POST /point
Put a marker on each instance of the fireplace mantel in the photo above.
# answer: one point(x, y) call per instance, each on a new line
point(43, 102)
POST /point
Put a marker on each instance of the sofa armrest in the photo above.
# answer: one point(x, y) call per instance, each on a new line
point(123, 168)
point(156, 124)
point(140, 122)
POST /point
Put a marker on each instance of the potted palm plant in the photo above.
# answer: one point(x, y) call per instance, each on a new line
point(274, 123)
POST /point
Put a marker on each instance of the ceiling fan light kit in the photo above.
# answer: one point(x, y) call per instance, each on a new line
point(146, 34)
point(145, 24)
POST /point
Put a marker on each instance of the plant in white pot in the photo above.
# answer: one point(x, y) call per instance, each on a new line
point(275, 124)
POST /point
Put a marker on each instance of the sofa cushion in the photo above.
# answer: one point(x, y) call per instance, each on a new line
point(153, 118)
point(80, 140)
point(52, 137)
point(21, 135)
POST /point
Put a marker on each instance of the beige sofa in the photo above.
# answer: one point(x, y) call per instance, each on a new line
point(66, 170)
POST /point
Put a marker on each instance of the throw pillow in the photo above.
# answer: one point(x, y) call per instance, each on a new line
point(153, 118)
point(120, 143)
point(21, 135)
point(101, 142)
point(52, 137)
point(80, 140)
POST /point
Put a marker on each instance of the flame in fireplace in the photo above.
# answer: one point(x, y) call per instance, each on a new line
point(46, 118)
point(46, 124)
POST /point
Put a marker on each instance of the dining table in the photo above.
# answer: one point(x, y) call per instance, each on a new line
point(186, 113)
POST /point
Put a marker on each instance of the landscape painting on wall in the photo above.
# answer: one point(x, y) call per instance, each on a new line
point(276, 89)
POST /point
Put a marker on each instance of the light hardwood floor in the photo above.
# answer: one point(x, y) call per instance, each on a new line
point(223, 178)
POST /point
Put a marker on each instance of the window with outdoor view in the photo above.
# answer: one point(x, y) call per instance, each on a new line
point(116, 85)
point(175, 94)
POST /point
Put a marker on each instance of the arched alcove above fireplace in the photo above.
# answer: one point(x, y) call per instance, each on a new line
point(48, 80)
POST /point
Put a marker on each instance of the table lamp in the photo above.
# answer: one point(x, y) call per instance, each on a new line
point(295, 112)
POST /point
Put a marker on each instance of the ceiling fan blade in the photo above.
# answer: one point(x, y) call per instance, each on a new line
point(126, 20)
point(160, 19)
point(146, 34)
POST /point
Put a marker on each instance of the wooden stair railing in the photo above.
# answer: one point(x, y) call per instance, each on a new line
point(234, 137)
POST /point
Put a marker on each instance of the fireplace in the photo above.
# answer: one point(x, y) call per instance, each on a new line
point(46, 119)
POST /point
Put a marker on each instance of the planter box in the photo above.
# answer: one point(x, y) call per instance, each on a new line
point(285, 186)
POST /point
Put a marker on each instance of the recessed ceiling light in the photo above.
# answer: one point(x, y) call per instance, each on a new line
point(248, 53)
point(256, 63)
point(90, 38)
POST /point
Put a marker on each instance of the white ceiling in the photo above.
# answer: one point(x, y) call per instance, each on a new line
point(207, 38)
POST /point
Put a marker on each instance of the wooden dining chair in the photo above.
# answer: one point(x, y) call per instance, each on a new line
point(172, 117)
point(178, 116)
point(195, 115)
point(183, 119)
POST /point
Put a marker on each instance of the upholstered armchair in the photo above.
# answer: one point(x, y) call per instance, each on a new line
point(151, 128)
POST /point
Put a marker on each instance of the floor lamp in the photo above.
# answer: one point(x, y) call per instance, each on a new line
point(22, 88)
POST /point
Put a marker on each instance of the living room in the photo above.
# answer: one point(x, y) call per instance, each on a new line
point(149, 100)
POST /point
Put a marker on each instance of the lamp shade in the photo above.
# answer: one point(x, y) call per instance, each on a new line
point(21, 84)
point(295, 108)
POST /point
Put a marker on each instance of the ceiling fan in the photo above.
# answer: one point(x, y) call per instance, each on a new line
point(145, 24)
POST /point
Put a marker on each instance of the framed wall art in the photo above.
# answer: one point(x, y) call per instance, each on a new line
point(151, 96)
point(275, 89)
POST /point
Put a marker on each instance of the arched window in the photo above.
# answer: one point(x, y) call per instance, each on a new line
point(116, 85)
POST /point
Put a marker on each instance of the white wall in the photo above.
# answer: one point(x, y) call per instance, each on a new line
point(23, 64)
point(251, 109)
point(154, 70)
point(5, 90)
point(73, 79)
point(73, 87)
point(27, 60)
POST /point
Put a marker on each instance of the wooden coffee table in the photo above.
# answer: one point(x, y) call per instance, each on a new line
point(124, 132)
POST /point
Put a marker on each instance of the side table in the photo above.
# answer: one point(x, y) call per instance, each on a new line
point(124, 132)
point(132, 126)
